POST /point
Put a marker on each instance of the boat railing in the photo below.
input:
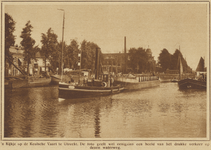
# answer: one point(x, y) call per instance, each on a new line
point(147, 78)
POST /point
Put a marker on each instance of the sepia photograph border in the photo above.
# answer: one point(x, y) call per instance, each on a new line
point(156, 140)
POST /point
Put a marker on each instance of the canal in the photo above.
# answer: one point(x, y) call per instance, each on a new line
point(160, 112)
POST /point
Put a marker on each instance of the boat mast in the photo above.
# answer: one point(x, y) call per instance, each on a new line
point(62, 42)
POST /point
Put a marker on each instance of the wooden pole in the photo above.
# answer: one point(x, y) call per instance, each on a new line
point(16, 66)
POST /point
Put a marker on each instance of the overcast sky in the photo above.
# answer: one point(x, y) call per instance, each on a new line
point(157, 25)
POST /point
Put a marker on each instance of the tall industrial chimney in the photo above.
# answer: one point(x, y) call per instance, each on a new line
point(125, 45)
point(125, 54)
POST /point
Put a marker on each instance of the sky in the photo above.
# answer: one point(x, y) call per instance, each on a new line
point(154, 25)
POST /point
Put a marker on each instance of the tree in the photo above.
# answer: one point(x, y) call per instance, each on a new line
point(91, 55)
point(84, 56)
point(71, 55)
point(9, 37)
point(28, 43)
point(175, 62)
point(164, 59)
point(55, 58)
point(88, 50)
point(49, 44)
point(138, 60)
point(168, 61)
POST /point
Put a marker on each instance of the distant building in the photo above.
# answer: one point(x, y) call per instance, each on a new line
point(39, 63)
point(36, 66)
point(18, 60)
point(151, 61)
point(114, 62)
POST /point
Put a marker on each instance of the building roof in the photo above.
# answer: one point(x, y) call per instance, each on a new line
point(16, 50)
point(149, 52)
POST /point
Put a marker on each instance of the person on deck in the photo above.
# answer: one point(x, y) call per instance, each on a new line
point(85, 80)
point(112, 80)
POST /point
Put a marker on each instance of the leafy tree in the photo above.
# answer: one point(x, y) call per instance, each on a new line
point(175, 62)
point(92, 55)
point(55, 58)
point(84, 54)
point(28, 43)
point(164, 59)
point(9, 37)
point(138, 60)
point(168, 61)
point(88, 57)
point(71, 55)
point(49, 44)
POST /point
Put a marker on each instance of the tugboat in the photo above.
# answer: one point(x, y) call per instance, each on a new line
point(100, 86)
point(89, 89)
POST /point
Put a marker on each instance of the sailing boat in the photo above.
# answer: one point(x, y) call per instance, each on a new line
point(199, 83)
point(180, 66)
point(15, 81)
point(24, 81)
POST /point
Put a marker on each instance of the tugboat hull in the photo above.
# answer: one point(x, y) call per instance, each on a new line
point(55, 79)
point(84, 92)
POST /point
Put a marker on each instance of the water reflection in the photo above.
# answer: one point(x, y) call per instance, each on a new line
point(164, 107)
point(97, 122)
point(159, 112)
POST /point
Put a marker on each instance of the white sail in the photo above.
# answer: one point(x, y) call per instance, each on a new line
point(181, 67)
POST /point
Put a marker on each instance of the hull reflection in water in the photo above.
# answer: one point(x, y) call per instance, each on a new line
point(160, 112)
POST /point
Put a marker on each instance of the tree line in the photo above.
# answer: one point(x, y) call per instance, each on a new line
point(140, 61)
point(51, 49)
point(168, 61)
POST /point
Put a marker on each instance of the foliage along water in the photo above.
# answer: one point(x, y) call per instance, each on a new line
point(161, 112)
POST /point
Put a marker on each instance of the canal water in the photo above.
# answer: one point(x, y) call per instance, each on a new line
point(160, 112)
